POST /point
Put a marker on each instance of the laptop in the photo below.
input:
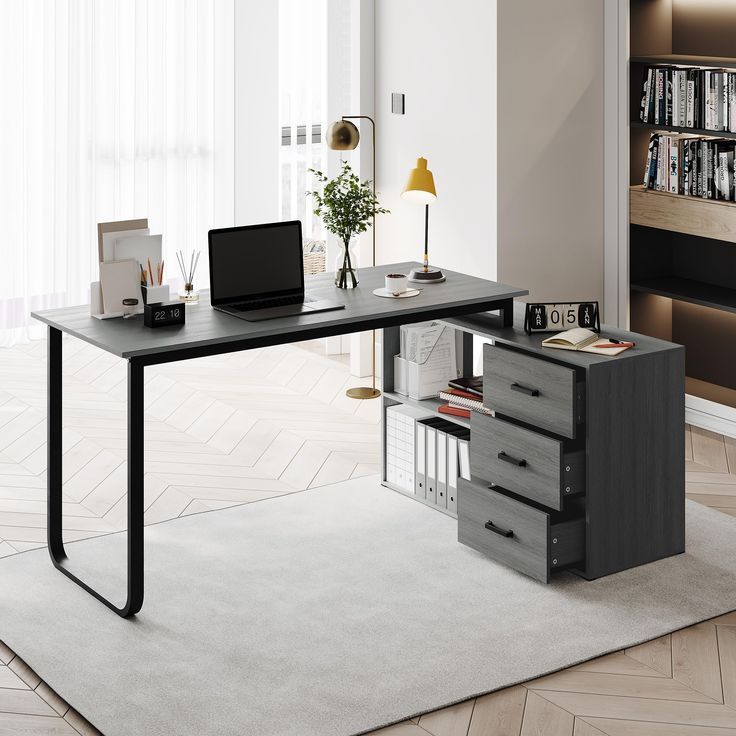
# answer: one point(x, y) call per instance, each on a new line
point(257, 272)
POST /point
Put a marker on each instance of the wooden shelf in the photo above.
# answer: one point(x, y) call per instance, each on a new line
point(417, 498)
point(687, 290)
point(684, 60)
point(710, 391)
point(689, 131)
point(707, 218)
point(428, 405)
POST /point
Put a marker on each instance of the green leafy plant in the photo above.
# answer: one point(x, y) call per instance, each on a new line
point(347, 206)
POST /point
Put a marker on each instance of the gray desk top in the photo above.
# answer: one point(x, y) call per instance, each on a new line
point(206, 327)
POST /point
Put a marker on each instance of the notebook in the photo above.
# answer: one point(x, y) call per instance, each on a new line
point(586, 341)
point(471, 384)
point(463, 399)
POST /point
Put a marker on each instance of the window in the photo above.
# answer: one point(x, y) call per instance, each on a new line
point(111, 111)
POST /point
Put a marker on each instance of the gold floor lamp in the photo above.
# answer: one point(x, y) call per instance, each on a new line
point(345, 136)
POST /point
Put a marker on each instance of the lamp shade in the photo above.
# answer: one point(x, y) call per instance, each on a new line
point(343, 136)
point(420, 184)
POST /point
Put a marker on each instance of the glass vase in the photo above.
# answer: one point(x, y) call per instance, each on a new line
point(346, 267)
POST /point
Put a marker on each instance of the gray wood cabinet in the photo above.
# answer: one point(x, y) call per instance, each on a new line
point(619, 424)
point(582, 465)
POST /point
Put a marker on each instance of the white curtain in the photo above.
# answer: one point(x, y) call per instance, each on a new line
point(109, 110)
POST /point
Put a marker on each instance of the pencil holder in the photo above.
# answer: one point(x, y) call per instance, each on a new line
point(155, 294)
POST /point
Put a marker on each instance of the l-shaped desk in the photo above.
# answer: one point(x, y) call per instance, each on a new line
point(208, 332)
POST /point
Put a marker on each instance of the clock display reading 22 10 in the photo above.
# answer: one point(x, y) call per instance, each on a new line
point(554, 317)
point(164, 314)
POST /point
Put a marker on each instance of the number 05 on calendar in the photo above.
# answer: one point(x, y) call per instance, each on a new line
point(553, 317)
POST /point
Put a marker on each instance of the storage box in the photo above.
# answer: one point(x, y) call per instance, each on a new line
point(155, 294)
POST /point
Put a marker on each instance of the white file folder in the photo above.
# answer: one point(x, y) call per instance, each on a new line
point(452, 456)
point(431, 452)
point(401, 423)
point(441, 495)
point(464, 458)
point(420, 470)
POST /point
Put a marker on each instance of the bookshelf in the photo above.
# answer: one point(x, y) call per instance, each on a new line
point(682, 249)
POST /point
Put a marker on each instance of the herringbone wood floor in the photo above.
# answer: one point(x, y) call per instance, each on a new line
point(276, 421)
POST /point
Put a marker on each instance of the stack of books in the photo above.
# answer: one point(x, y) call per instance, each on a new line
point(694, 167)
point(689, 98)
point(463, 396)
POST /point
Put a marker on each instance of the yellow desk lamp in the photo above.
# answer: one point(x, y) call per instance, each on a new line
point(420, 189)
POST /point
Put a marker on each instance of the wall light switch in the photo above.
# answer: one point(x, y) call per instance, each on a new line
point(397, 103)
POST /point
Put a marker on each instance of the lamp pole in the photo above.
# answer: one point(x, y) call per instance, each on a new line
point(373, 392)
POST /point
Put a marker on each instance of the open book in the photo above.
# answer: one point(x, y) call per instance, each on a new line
point(585, 341)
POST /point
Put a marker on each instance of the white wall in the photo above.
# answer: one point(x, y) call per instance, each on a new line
point(551, 145)
point(257, 134)
point(536, 85)
point(442, 56)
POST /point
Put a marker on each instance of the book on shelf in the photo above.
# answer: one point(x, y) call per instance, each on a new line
point(693, 167)
point(455, 411)
point(584, 341)
point(689, 97)
point(463, 400)
point(471, 384)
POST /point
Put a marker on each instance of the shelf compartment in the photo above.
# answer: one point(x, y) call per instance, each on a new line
point(694, 132)
point(710, 391)
point(687, 290)
point(428, 405)
point(705, 218)
point(717, 62)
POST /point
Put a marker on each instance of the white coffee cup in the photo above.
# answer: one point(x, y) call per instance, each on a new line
point(396, 283)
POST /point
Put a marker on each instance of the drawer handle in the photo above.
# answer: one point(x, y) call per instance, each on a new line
point(514, 461)
point(497, 530)
point(524, 389)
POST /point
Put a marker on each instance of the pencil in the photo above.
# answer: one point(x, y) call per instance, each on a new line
point(161, 274)
point(150, 271)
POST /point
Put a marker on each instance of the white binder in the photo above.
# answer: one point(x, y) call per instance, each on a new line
point(452, 456)
point(420, 469)
point(441, 496)
point(401, 422)
point(431, 452)
point(464, 458)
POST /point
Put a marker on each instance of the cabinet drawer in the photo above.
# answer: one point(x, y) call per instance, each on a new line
point(525, 537)
point(531, 389)
point(533, 465)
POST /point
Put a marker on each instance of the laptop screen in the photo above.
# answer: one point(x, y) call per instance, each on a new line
point(255, 262)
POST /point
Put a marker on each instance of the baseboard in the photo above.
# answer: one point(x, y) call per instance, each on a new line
point(710, 415)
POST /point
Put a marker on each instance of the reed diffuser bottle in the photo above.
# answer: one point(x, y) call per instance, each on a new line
point(188, 294)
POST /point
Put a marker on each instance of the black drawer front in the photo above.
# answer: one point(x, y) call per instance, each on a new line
point(535, 391)
point(528, 463)
point(515, 533)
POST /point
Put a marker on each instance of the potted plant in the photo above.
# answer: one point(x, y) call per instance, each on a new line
point(347, 207)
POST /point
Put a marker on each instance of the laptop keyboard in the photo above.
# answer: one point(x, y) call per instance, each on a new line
point(283, 301)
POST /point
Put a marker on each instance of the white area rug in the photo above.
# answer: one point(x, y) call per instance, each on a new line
point(330, 613)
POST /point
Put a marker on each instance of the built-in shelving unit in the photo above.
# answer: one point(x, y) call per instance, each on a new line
point(687, 290)
point(429, 405)
point(677, 129)
point(679, 213)
point(682, 250)
point(716, 62)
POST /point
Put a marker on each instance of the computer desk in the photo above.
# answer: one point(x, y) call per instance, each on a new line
point(208, 332)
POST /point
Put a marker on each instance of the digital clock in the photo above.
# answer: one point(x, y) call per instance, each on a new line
point(164, 314)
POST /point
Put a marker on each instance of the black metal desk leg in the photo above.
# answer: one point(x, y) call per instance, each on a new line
point(134, 599)
point(507, 307)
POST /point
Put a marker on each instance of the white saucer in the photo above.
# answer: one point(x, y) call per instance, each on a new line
point(404, 295)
